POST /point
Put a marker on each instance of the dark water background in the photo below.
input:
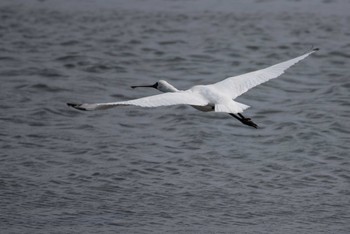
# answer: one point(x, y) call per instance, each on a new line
point(174, 169)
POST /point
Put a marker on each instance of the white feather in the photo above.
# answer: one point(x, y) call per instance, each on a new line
point(165, 99)
point(237, 85)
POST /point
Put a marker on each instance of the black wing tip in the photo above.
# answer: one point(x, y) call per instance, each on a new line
point(72, 104)
point(316, 49)
point(76, 106)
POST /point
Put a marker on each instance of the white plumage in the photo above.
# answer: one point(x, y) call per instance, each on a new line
point(237, 85)
point(218, 97)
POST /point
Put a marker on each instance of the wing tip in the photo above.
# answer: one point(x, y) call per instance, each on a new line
point(76, 106)
point(316, 49)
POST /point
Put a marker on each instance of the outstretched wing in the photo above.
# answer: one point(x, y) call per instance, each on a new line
point(237, 85)
point(165, 99)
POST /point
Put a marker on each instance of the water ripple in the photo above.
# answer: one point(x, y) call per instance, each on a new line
point(175, 169)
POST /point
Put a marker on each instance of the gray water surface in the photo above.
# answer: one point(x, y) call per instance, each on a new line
point(173, 169)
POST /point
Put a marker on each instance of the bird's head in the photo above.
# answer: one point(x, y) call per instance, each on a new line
point(161, 85)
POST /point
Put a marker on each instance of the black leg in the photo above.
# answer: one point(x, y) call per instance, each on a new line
point(240, 115)
point(244, 120)
point(235, 116)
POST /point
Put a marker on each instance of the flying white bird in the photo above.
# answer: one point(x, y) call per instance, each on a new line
point(218, 97)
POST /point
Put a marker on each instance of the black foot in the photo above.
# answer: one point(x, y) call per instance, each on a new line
point(76, 106)
point(244, 120)
point(249, 122)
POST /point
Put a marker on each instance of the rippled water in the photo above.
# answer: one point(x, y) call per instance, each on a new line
point(174, 169)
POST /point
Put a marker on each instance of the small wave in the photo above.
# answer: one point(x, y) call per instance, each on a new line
point(341, 54)
point(253, 47)
point(69, 43)
point(70, 58)
point(8, 59)
point(171, 42)
point(47, 88)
